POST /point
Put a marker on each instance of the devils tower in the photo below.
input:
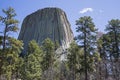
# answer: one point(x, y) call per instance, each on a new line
point(46, 23)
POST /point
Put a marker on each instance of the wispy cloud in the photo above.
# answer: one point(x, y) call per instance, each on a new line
point(84, 10)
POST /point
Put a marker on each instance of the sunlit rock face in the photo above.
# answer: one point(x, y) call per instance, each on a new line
point(46, 23)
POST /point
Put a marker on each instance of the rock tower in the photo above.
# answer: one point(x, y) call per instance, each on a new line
point(46, 23)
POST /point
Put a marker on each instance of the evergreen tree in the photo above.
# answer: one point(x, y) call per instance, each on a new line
point(49, 52)
point(113, 30)
point(10, 47)
point(87, 39)
point(32, 63)
point(11, 60)
point(111, 43)
point(74, 59)
point(103, 46)
point(10, 25)
point(48, 59)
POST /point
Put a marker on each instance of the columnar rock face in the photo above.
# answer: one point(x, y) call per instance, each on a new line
point(46, 23)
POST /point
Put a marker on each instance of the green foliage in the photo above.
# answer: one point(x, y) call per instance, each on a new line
point(74, 59)
point(73, 56)
point(113, 32)
point(84, 57)
point(113, 24)
point(108, 47)
point(10, 24)
point(109, 42)
point(32, 63)
point(10, 47)
point(87, 41)
point(11, 60)
point(103, 46)
point(49, 53)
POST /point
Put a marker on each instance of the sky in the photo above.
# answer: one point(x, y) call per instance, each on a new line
point(101, 11)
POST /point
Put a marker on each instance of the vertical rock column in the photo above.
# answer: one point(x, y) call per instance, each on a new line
point(46, 23)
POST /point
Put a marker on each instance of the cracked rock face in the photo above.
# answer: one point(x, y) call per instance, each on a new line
point(46, 23)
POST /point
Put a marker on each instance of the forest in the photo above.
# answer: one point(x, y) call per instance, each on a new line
point(92, 55)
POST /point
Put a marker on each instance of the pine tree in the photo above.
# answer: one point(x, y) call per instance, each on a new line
point(74, 60)
point(103, 45)
point(111, 45)
point(113, 30)
point(10, 47)
point(49, 52)
point(86, 39)
point(12, 62)
point(48, 59)
point(10, 25)
point(32, 62)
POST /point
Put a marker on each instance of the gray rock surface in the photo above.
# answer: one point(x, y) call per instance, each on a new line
point(46, 23)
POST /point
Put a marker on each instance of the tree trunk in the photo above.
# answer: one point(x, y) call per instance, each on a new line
point(4, 38)
point(85, 56)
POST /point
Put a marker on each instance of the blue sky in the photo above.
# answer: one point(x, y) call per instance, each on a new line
point(100, 10)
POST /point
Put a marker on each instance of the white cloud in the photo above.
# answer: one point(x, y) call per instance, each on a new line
point(86, 10)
